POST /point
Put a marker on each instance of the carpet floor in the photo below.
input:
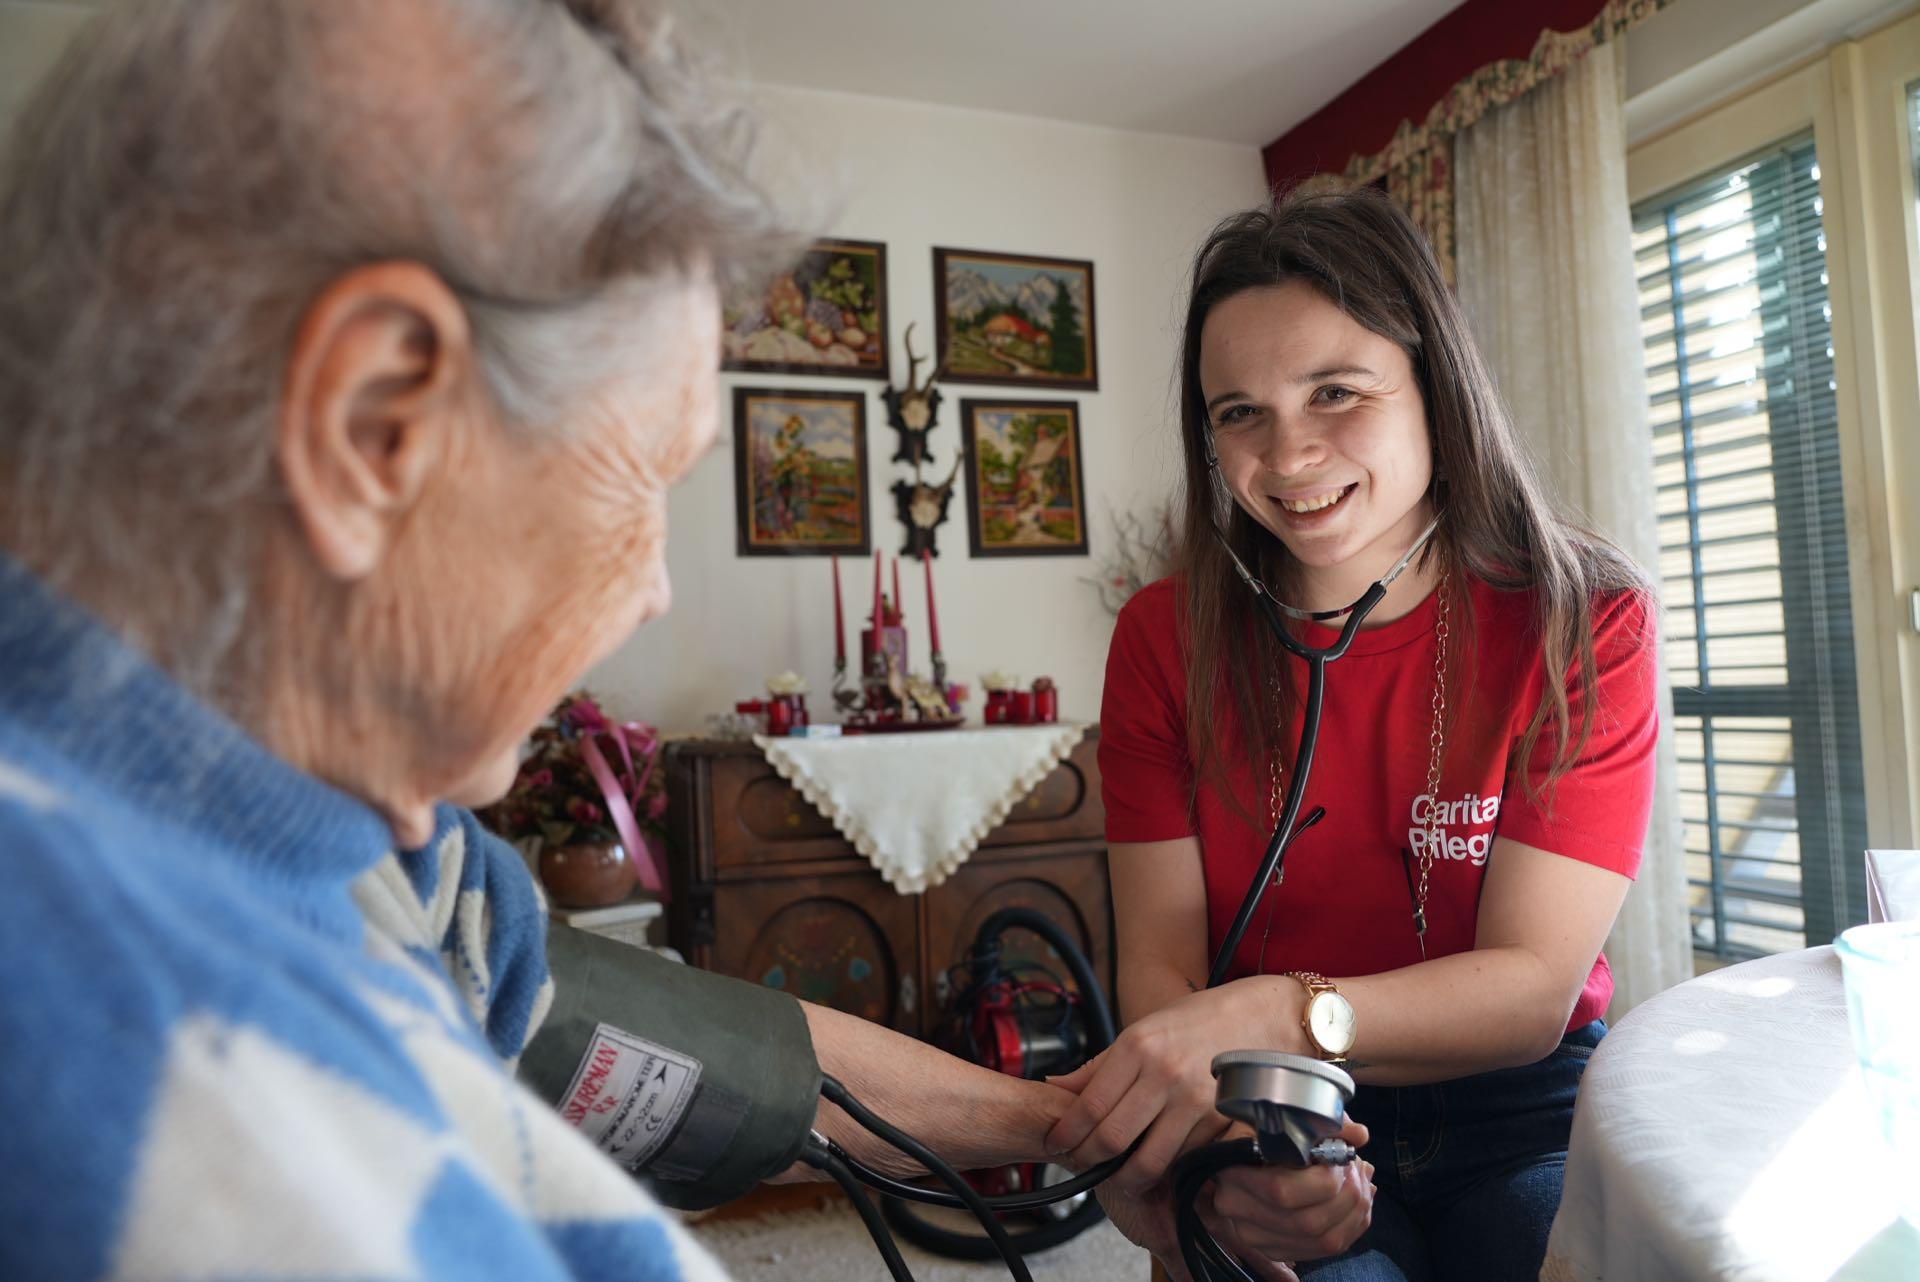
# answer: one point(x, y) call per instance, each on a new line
point(811, 1234)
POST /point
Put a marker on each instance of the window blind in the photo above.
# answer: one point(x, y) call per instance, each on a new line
point(1753, 572)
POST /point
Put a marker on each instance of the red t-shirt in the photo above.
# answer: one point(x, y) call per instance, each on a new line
point(1344, 907)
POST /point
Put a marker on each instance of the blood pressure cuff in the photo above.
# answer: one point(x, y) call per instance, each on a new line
point(704, 1085)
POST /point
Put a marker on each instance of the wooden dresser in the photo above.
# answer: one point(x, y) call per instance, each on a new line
point(766, 889)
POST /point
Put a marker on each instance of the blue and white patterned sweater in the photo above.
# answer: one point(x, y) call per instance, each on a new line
point(212, 1066)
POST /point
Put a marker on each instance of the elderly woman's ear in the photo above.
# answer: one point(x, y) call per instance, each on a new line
point(378, 382)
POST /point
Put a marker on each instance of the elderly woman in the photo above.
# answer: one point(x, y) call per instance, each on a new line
point(347, 352)
point(348, 349)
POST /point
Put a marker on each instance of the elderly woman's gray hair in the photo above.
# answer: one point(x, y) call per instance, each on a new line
point(195, 171)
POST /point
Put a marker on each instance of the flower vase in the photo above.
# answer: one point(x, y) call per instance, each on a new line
point(588, 874)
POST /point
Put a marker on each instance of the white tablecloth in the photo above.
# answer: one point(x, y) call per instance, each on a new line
point(917, 805)
point(1723, 1132)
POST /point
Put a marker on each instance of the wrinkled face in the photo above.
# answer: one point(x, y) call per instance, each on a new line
point(550, 553)
point(1319, 424)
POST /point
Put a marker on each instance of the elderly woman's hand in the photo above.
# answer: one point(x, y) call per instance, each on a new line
point(1156, 1080)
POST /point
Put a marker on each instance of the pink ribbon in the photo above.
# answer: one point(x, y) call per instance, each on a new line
point(618, 798)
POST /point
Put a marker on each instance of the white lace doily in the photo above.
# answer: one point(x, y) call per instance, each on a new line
point(917, 805)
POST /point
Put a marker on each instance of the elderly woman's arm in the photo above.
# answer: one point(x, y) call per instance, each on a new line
point(971, 1116)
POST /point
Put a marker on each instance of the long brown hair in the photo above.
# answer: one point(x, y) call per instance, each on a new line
point(1367, 258)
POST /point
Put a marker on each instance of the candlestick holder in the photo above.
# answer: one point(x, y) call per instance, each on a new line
point(891, 696)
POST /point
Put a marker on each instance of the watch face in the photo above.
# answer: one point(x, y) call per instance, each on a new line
point(1331, 1020)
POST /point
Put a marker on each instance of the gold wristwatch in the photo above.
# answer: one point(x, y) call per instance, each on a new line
point(1328, 1018)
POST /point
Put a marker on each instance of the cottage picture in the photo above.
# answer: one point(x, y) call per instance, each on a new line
point(1025, 495)
point(800, 472)
point(828, 315)
point(1015, 319)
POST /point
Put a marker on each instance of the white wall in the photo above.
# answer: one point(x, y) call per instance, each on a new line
point(916, 176)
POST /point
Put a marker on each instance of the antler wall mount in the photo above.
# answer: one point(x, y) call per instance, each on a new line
point(921, 508)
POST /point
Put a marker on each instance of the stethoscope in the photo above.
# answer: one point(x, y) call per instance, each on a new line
point(1295, 1104)
point(1272, 609)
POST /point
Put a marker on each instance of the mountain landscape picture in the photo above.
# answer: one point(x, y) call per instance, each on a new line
point(1015, 319)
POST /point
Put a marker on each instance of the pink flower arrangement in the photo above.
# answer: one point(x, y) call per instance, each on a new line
point(556, 795)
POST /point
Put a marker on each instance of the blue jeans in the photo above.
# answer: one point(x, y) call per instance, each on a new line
point(1468, 1172)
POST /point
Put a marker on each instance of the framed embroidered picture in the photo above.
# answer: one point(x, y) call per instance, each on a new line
point(800, 472)
point(828, 316)
point(1026, 495)
point(1014, 319)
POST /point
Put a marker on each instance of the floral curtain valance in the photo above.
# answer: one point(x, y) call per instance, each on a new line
point(1416, 167)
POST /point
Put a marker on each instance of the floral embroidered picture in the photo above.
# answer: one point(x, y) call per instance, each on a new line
point(800, 472)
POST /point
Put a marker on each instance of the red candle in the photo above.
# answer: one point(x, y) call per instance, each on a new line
point(933, 615)
point(839, 622)
point(878, 620)
point(899, 606)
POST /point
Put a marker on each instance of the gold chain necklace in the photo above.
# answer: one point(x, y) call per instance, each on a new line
point(1435, 742)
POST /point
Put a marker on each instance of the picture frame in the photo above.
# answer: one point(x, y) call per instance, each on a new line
point(999, 318)
point(1026, 483)
point(800, 472)
point(783, 328)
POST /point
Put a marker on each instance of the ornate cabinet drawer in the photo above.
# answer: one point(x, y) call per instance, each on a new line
point(759, 819)
point(732, 813)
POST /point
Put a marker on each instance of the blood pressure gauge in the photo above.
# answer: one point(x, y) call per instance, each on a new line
point(1296, 1105)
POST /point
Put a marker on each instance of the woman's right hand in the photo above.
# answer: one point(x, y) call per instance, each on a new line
point(1155, 1083)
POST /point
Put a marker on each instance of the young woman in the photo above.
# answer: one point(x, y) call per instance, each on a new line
point(1485, 760)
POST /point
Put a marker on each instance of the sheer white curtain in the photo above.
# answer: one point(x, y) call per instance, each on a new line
point(1546, 276)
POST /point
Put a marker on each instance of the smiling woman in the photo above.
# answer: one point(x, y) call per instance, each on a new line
point(1487, 765)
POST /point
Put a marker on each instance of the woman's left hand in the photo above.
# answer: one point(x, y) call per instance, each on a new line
point(1266, 1216)
point(1156, 1079)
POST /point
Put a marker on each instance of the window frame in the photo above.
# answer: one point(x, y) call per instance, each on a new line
point(1853, 98)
